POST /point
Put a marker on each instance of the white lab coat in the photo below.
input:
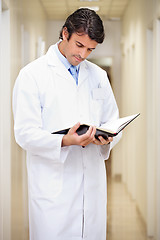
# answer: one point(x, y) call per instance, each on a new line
point(66, 185)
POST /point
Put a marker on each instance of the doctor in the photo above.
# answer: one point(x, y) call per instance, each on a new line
point(66, 182)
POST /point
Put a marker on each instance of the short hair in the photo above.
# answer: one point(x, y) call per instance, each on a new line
point(86, 21)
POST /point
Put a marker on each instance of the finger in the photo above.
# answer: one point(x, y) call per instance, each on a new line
point(110, 139)
point(97, 142)
point(88, 137)
point(103, 141)
point(92, 135)
point(74, 128)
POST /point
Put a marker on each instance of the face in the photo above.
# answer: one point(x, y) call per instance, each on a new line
point(77, 48)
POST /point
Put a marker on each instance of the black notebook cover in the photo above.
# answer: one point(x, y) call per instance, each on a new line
point(83, 129)
point(102, 132)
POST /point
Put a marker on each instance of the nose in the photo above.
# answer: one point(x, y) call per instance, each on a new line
point(84, 53)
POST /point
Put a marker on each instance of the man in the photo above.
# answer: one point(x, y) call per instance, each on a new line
point(66, 173)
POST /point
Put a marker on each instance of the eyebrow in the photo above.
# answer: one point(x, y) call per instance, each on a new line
point(83, 45)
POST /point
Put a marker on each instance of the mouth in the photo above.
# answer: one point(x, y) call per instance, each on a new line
point(78, 58)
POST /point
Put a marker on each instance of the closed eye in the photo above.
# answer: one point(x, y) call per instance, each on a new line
point(79, 45)
point(90, 49)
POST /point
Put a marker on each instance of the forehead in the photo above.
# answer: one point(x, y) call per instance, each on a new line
point(84, 39)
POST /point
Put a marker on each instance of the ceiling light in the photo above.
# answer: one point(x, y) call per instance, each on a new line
point(114, 19)
point(89, 0)
point(94, 8)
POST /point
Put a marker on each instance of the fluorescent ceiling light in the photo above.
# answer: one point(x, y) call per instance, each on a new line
point(95, 8)
point(114, 19)
point(89, 0)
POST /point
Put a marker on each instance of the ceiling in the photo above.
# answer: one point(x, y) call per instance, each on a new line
point(108, 9)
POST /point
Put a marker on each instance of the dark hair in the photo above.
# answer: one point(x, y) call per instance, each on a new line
point(86, 21)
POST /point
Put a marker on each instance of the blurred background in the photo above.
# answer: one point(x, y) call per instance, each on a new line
point(131, 56)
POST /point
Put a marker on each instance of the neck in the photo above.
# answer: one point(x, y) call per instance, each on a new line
point(60, 47)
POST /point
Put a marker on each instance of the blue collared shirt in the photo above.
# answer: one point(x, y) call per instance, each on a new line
point(64, 60)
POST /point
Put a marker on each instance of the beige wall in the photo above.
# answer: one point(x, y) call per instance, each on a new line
point(139, 144)
point(5, 123)
point(133, 101)
point(28, 24)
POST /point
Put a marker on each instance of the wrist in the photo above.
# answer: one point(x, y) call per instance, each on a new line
point(65, 141)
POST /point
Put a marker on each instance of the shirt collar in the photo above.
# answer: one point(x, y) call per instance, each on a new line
point(62, 58)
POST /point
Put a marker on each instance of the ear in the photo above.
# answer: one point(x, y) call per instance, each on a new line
point(65, 33)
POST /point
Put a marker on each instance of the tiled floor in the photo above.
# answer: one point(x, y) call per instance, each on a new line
point(124, 221)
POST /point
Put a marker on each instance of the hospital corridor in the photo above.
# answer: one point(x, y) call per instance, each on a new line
point(130, 54)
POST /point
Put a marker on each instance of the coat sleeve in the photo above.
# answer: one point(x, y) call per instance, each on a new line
point(110, 111)
point(28, 127)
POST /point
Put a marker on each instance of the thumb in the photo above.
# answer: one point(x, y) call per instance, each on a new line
point(74, 128)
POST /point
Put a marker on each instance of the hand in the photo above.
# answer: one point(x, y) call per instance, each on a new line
point(102, 141)
point(72, 138)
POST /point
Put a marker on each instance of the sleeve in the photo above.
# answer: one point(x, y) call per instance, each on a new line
point(28, 128)
point(110, 111)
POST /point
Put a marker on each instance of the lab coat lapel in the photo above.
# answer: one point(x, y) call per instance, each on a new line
point(63, 72)
point(83, 73)
point(59, 68)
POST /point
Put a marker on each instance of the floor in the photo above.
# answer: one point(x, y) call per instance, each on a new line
point(124, 221)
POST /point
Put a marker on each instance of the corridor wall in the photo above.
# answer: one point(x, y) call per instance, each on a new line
point(5, 122)
point(27, 27)
point(141, 94)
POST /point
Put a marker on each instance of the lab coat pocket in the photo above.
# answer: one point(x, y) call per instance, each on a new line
point(45, 178)
point(98, 96)
point(99, 93)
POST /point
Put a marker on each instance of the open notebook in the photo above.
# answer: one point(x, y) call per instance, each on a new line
point(110, 129)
